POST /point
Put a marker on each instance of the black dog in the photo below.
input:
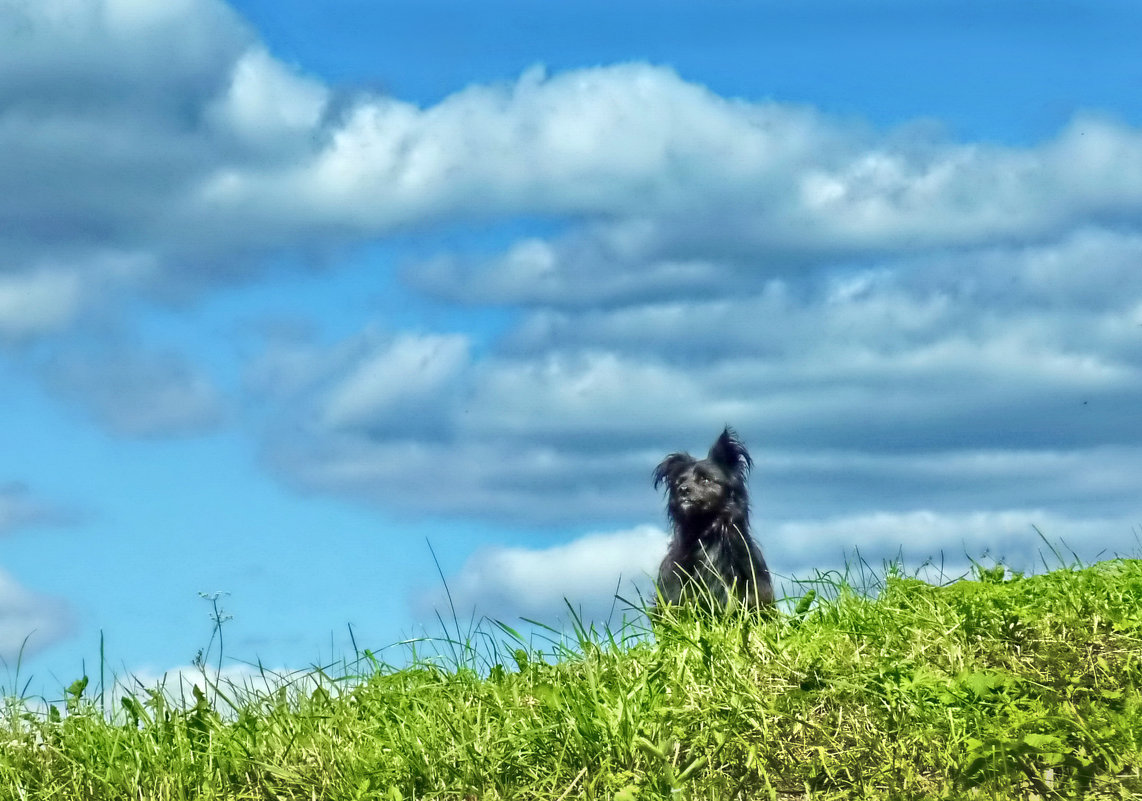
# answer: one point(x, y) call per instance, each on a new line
point(712, 559)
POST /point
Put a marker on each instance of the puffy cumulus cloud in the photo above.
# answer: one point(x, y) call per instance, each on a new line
point(373, 382)
point(592, 271)
point(602, 264)
point(100, 126)
point(996, 377)
point(416, 423)
point(949, 390)
point(526, 441)
point(1002, 346)
point(538, 583)
point(174, 133)
point(268, 107)
point(117, 49)
point(112, 112)
point(134, 392)
point(888, 389)
point(595, 395)
point(894, 197)
point(554, 440)
point(638, 142)
point(601, 141)
point(1029, 351)
point(404, 376)
point(179, 131)
point(29, 622)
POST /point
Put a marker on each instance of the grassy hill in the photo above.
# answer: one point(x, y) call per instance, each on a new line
point(999, 687)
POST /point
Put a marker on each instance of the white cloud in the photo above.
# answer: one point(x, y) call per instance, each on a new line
point(893, 387)
point(37, 302)
point(269, 106)
point(522, 483)
point(405, 375)
point(290, 364)
point(174, 133)
point(1004, 348)
point(103, 110)
point(638, 142)
point(905, 364)
point(565, 394)
point(510, 583)
point(916, 536)
point(612, 264)
point(29, 622)
point(53, 295)
point(234, 685)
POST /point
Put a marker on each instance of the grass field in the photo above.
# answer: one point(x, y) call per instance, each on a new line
point(999, 687)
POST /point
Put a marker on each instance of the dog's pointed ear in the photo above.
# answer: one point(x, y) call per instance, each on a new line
point(669, 468)
point(730, 454)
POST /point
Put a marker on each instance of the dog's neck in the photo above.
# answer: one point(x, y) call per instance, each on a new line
point(704, 525)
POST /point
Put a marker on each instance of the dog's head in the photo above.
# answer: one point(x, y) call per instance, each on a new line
point(702, 488)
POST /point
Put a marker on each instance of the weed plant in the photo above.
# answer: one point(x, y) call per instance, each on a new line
point(1003, 686)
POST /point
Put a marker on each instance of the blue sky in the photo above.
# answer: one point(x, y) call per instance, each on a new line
point(288, 290)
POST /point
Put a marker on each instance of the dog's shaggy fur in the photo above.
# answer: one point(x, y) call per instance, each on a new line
point(712, 560)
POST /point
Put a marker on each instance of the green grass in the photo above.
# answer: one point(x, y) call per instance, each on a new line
point(999, 687)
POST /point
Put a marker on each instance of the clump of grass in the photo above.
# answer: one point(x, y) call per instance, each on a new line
point(1004, 686)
